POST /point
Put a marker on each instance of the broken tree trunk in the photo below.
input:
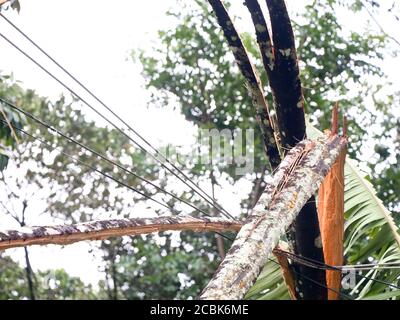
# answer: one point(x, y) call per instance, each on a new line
point(297, 178)
point(102, 229)
point(280, 63)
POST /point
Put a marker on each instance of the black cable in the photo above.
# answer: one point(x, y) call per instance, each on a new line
point(322, 265)
point(91, 167)
point(101, 172)
point(316, 282)
point(217, 206)
point(212, 202)
point(65, 136)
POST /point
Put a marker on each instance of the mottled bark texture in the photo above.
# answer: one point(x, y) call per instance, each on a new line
point(252, 80)
point(102, 229)
point(280, 63)
point(296, 179)
point(284, 77)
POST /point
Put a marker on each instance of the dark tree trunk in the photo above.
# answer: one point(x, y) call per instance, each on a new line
point(29, 275)
point(280, 64)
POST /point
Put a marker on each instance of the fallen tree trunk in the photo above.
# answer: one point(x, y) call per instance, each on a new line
point(297, 178)
point(102, 229)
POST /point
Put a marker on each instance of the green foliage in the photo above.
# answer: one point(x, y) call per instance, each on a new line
point(177, 267)
point(338, 63)
point(193, 69)
point(7, 137)
point(12, 280)
point(269, 284)
point(50, 284)
point(58, 285)
point(73, 193)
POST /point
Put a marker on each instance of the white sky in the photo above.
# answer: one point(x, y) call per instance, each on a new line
point(93, 40)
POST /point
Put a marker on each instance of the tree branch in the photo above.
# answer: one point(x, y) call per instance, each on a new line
point(102, 229)
point(253, 82)
point(284, 77)
point(297, 178)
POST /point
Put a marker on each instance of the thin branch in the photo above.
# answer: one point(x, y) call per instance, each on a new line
point(297, 178)
point(253, 82)
point(379, 25)
point(102, 229)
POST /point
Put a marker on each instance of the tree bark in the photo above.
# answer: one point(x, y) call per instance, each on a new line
point(280, 63)
point(102, 229)
point(253, 82)
point(298, 177)
point(29, 275)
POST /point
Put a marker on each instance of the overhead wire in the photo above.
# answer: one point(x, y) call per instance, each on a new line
point(204, 195)
point(101, 172)
point(341, 294)
point(321, 265)
point(83, 163)
point(96, 153)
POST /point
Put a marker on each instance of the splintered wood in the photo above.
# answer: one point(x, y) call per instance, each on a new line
point(300, 174)
point(331, 215)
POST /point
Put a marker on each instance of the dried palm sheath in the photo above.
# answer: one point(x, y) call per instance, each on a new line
point(297, 178)
point(102, 229)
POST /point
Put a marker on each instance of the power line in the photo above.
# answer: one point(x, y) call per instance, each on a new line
point(102, 172)
point(321, 265)
point(209, 200)
point(91, 167)
point(96, 153)
point(316, 282)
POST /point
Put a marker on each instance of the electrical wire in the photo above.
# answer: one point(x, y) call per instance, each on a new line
point(321, 265)
point(341, 294)
point(42, 141)
point(130, 128)
point(96, 153)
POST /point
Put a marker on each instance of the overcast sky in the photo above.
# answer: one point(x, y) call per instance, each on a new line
point(93, 40)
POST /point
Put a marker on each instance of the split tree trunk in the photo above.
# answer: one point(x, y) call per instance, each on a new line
point(298, 177)
point(280, 63)
point(331, 216)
